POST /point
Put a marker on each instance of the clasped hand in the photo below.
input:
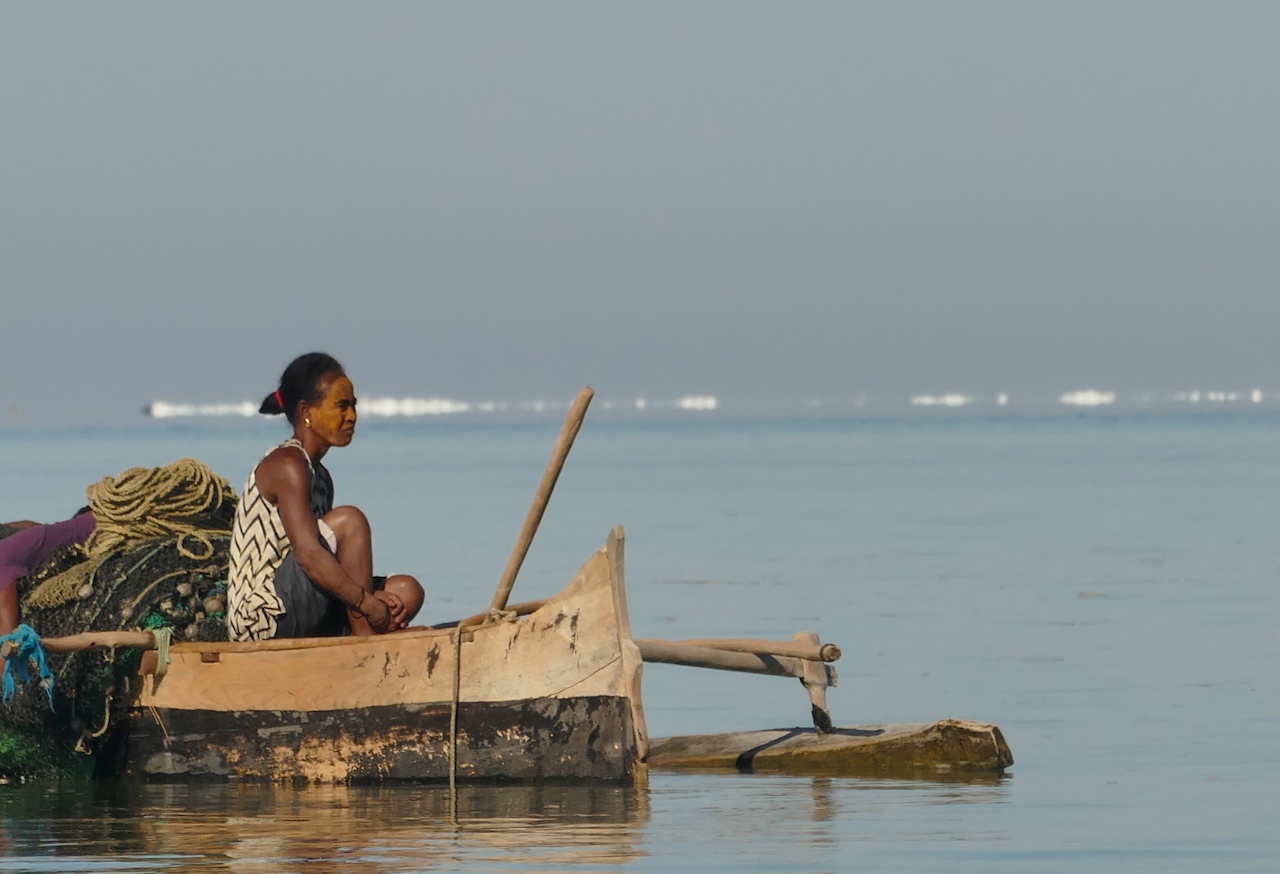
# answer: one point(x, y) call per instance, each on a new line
point(384, 612)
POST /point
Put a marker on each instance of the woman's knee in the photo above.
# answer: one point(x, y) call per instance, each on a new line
point(347, 521)
point(408, 590)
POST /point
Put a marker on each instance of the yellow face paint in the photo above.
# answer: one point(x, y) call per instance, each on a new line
point(334, 418)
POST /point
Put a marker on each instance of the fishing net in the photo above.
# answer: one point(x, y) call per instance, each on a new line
point(158, 559)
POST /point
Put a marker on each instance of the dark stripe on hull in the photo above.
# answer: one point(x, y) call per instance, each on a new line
point(563, 739)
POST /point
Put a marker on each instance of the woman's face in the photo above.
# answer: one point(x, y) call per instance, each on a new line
point(334, 418)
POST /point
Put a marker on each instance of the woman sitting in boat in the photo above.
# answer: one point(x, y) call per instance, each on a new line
point(301, 567)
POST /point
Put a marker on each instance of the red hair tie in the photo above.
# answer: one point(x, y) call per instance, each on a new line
point(279, 399)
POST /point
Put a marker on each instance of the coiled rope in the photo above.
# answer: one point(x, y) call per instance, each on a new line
point(143, 503)
point(147, 502)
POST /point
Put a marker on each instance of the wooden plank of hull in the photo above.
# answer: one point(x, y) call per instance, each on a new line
point(568, 644)
point(563, 660)
point(586, 738)
point(939, 747)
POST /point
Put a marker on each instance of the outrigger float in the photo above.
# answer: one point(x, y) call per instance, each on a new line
point(541, 691)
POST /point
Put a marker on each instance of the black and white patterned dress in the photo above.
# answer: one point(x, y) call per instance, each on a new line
point(258, 545)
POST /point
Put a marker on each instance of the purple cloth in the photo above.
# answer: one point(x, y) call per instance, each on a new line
point(25, 551)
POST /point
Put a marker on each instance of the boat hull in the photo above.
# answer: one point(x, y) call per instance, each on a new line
point(554, 695)
point(587, 738)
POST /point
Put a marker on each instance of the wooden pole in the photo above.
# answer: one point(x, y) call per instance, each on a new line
point(90, 640)
point(817, 677)
point(667, 652)
point(572, 423)
point(816, 652)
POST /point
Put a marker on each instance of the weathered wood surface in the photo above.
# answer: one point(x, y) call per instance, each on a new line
point(824, 652)
point(806, 662)
point(939, 747)
point(304, 709)
point(90, 640)
point(672, 653)
point(569, 647)
point(590, 738)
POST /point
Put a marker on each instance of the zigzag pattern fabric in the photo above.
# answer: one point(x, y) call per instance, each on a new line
point(258, 545)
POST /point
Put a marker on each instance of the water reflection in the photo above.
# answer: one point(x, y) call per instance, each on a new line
point(781, 822)
point(256, 828)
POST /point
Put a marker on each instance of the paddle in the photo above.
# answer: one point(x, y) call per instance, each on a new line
point(572, 423)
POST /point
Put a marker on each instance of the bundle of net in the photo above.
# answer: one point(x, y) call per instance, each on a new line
point(157, 559)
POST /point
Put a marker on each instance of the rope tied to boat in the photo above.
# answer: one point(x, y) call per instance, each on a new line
point(181, 500)
point(493, 616)
point(164, 637)
point(455, 698)
point(27, 653)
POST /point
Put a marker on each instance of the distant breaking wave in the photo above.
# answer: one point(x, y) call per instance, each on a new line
point(1088, 398)
point(948, 400)
point(166, 410)
point(413, 407)
point(1005, 402)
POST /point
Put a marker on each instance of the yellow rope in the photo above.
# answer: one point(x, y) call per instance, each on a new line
point(147, 502)
point(141, 504)
point(60, 589)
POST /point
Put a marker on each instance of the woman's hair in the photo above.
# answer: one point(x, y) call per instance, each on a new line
point(300, 381)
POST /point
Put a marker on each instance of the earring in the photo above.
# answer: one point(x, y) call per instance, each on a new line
point(307, 421)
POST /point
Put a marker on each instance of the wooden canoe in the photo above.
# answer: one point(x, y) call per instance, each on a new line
point(549, 691)
point(553, 695)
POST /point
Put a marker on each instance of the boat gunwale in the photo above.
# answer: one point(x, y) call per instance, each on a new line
point(281, 644)
point(288, 643)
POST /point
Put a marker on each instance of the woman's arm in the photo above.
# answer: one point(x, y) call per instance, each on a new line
point(285, 480)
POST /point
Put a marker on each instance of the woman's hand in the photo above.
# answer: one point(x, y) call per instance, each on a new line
point(375, 611)
point(383, 611)
point(399, 617)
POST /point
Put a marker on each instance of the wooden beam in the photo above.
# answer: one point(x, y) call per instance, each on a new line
point(823, 652)
point(90, 640)
point(671, 653)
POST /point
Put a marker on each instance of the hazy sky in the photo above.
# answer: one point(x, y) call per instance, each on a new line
point(511, 200)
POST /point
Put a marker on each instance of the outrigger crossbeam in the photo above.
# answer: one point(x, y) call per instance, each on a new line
point(805, 657)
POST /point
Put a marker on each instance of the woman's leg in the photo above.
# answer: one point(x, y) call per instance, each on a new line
point(355, 554)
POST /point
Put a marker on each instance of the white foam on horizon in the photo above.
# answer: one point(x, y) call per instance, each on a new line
point(954, 399)
point(166, 410)
point(1195, 396)
point(429, 407)
point(413, 406)
point(1087, 398)
point(387, 407)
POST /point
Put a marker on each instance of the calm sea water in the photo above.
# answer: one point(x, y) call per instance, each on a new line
point(1104, 589)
